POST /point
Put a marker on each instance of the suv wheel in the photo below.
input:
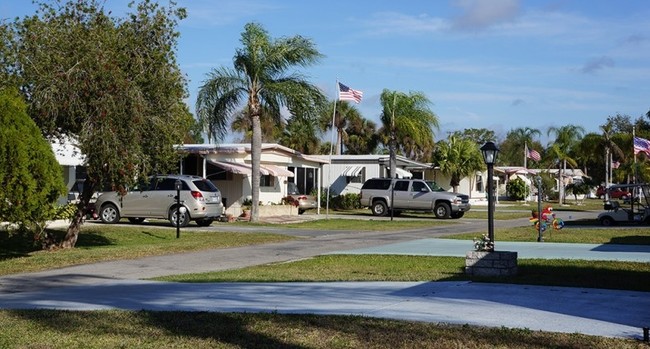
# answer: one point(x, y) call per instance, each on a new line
point(184, 218)
point(109, 214)
point(379, 208)
point(442, 210)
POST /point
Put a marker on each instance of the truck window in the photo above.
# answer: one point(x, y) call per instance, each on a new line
point(419, 187)
point(401, 186)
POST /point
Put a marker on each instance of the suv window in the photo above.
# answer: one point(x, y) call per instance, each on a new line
point(401, 186)
point(381, 184)
point(168, 184)
point(204, 185)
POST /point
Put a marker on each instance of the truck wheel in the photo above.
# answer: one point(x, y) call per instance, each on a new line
point(109, 214)
point(457, 215)
point(442, 210)
point(379, 208)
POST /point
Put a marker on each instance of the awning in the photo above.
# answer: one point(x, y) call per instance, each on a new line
point(233, 167)
point(247, 170)
point(277, 171)
point(352, 171)
point(402, 173)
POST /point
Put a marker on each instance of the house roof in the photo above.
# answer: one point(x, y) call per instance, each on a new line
point(242, 148)
point(373, 159)
point(66, 152)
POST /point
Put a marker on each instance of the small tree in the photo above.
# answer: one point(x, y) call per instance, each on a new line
point(30, 176)
point(517, 189)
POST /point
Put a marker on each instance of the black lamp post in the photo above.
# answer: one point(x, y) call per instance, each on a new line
point(490, 153)
point(178, 186)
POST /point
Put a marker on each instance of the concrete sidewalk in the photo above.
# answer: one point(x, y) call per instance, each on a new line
point(557, 309)
point(525, 250)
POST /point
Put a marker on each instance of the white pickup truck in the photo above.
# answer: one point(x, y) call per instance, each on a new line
point(412, 195)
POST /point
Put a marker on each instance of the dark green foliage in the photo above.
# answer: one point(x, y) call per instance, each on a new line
point(30, 177)
point(112, 84)
point(517, 189)
point(548, 185)
point(349, 201)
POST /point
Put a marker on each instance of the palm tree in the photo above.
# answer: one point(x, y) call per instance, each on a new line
point(301, 135)
point(512, 148)
point(343, 116)
point(259, 79)
point(566, 137)
point(611, 148)
point(407, 117)
point(271, 126)
point(457, 158)
point(362, 136)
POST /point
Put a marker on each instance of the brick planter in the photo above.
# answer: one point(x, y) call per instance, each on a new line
point(495, 263)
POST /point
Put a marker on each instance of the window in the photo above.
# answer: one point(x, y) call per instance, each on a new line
point(401, 186)
point(419, 187)
point(360, 178)
point(267, 181)
point(169, 184)
point(380, 183)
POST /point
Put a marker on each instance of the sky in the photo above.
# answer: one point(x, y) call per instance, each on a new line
point(495, 64)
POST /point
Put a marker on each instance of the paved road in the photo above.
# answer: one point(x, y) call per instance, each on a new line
point(117, 285)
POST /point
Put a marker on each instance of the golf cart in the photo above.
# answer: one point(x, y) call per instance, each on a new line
point(636, 210)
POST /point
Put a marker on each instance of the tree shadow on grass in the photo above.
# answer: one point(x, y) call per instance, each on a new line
point(21, 245)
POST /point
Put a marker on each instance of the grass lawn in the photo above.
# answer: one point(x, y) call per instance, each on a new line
point(203, 330)
point(574, 273)
point(103, 243)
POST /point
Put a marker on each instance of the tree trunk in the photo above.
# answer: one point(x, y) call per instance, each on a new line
point(339, 142)
point(70, 239)
point(256, 150)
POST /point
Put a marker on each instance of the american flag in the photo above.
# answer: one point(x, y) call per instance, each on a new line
point(641, 145)
point(348, 94)
point(533, 154)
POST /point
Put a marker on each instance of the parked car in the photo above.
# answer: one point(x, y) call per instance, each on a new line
point(414, 195)
point(200, 201)
point(305, 202)
point(615, 192)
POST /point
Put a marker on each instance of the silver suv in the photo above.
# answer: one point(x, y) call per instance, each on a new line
point(200, 201)
point(412, 195)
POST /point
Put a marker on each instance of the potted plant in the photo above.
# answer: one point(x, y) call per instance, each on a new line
point(246, 208)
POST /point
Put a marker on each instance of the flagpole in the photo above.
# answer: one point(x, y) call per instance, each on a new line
point(525, 155)
point(329, 174)
point(634, 152)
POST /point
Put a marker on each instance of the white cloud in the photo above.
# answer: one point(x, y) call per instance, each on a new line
point(479, 14)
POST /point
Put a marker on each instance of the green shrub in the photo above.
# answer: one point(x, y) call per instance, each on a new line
point(30, 176)
point(346, 202)
point(517, 189)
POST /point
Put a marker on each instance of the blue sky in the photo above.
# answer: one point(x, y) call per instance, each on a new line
point(496, 64)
